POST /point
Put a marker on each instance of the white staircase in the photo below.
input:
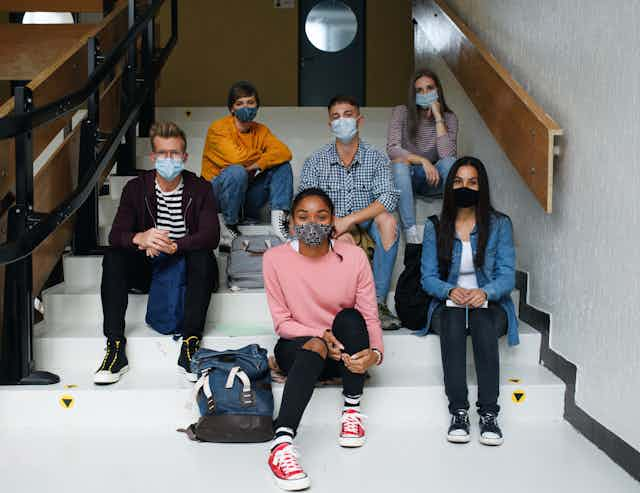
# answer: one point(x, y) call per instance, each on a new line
point(122, 437)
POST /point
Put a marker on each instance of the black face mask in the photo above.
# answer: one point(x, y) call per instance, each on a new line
point(465, 197)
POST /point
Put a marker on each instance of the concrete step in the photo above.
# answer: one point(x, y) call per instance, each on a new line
point(159, 399)
point(393, 459)
point(81, 344)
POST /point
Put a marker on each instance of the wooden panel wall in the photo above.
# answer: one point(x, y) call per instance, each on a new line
point(521, 127)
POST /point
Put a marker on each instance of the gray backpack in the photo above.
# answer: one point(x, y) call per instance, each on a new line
point(244, 268)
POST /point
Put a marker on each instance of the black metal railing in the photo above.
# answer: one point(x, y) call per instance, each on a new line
point(28, 228)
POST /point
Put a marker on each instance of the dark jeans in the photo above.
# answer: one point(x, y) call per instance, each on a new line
point(304, 368)
point(126, 269)
point(486, 326)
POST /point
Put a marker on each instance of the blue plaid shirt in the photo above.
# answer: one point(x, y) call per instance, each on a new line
point(355, 187)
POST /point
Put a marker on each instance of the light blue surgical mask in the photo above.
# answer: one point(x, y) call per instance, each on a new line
point(169, 168)
point(426, 100)
point(344, 129)
point(246, 113)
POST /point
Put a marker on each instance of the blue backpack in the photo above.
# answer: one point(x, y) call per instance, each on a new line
point(165, 307)
point(233, 395)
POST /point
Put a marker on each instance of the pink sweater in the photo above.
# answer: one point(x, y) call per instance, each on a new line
point(305, 294)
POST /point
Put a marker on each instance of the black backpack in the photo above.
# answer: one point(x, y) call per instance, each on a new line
point(411, 301)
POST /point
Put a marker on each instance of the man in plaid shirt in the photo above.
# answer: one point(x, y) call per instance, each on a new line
point(358, 179)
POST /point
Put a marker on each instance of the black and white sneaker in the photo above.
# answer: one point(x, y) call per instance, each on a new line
point(490, 432)
point(189, 347)
point(280, 224)
point(459, 427)
point(228, 233)
point(114, 365)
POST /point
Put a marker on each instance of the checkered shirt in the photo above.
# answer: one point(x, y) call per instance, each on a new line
point(355, 187)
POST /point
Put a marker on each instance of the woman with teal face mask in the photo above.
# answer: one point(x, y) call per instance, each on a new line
point(421, 143)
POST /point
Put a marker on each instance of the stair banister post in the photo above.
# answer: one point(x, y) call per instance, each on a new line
point(16, 347)
point(148, 112)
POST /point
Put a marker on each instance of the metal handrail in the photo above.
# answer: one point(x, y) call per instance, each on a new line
point(16, 125)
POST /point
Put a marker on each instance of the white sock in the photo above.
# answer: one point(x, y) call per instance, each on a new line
point(282, 435)
point(411, 235)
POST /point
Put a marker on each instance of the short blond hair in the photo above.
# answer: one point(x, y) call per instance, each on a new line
point(167, 130)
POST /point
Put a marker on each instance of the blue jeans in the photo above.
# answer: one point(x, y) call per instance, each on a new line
point(410, 179)
point(383, 260)
point(235, 191)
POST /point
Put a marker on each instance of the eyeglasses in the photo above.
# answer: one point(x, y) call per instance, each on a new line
point(168, 154)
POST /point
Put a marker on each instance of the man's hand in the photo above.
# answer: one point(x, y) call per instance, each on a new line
point(334, 345)
point(156, 239)
point(361, 361)
point(341, 225)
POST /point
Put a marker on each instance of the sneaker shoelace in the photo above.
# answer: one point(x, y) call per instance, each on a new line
point(460, 419)
point(112, 346)
point(351, 422)
point(192, 343)
point(287, 459)
point(489, 421)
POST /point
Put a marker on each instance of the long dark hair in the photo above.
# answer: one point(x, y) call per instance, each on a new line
point(322, 195)
point(484, 213)
point(413, 116)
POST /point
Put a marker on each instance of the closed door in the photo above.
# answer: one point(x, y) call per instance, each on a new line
point(331, 50)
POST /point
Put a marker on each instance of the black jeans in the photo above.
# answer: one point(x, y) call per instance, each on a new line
point(127, 269)
point(350, 329)
point(486, 326)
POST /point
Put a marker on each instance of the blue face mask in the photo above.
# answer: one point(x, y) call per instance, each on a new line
point(169, 168)
point(246, 113)
point(344, 129)
point(426, 100)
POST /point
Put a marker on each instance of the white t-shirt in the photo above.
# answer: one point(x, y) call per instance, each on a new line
point(467, 278)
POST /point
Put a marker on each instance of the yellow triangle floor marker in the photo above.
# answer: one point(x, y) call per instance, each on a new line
point(67, 401)
point(518, 396)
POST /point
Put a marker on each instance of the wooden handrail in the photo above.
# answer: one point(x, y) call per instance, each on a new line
point(519, 124)
point(52, 5)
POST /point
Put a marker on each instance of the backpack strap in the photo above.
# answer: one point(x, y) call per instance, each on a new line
point(443, 269)
point(203, 384)
point(247, 396)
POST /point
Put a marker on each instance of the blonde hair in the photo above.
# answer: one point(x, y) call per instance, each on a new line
point(167, 130)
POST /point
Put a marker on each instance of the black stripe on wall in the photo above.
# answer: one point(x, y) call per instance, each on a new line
point(611, 444)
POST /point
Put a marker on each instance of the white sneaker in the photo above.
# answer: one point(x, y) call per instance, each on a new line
point(279, 224)
point(411, 235)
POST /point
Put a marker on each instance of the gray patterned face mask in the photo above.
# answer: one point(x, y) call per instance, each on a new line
point(312, 234)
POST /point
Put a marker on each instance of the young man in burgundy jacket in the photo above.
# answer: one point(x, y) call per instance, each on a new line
point(167, 211)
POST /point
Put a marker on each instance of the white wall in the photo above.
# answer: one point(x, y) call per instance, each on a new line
point(580, 60)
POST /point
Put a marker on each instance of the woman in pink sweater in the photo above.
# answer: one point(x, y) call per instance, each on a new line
point(323, 302)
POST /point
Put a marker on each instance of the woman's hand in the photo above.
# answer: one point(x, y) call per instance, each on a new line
point(459, 296)
point(333, 345)
point(433, 177)
point(436, 109)
point(476, 298)
point(361, 361)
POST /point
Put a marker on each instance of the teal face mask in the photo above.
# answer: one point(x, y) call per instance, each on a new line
point(246, 114)
point(426, 100)
point(169, 168)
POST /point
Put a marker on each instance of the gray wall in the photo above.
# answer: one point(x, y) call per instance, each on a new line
point(580, 59)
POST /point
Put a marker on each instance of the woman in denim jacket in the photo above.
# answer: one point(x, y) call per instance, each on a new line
point(468, 267)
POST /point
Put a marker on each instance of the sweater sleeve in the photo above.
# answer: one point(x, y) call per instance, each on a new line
point(123, 228)
point(208, 235)
point(504, 273)
point(447, 145)
point(283, 322)
point(274, 152)
point(394, 134)
point(366, 302)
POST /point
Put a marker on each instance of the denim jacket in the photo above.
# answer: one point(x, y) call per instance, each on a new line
point(496, 277)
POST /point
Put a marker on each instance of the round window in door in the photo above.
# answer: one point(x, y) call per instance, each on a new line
point(331, 25)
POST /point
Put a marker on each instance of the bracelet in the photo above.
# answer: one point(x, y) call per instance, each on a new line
point(379, 354)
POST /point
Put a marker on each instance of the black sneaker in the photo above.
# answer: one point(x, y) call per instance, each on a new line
point(490, 432)
point(189, 347)
point(114, 365)
point(459, 427)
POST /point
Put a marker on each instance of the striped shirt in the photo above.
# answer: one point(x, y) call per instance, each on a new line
point(366, 180)
point(169, 215)
point(427, 143)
